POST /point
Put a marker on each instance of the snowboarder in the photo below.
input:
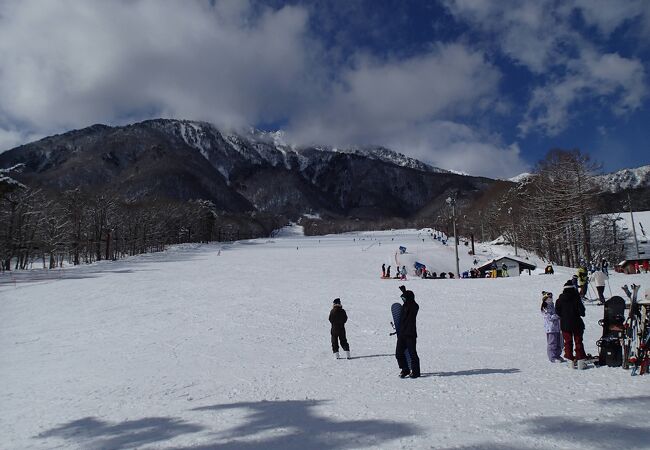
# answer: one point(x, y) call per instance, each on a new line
point(571, 310)
point(407, 336)
point(599, 278)
point(552, 327)
point(338, 317)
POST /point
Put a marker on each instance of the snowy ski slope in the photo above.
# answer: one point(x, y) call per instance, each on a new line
point(227, 346)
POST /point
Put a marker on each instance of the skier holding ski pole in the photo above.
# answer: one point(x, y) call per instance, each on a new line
point(599, 278)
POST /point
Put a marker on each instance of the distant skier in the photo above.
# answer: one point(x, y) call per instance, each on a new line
point(407, 336)
point(571, 310)
point(338, 317)
point(388, 272)
point(493, 269)
point(383, 270)
point(403, 274)
point(599, 279)
point(583, 281)
point(504, 270)
point(574, 282)
point(604, 266)
point(552, 327)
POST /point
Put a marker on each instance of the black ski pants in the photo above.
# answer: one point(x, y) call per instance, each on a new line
point(338, 334)
point(403, 344)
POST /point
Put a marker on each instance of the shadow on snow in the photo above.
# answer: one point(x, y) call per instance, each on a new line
point(470, 372)
point(290, 424)
point(98, 434)
point(612, 430)
point(129, 265)
point(300, 427)
point(373, 356)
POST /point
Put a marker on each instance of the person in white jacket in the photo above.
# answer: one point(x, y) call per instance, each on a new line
point(599, 278)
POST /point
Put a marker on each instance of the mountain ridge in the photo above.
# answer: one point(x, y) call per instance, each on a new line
point(256, 171)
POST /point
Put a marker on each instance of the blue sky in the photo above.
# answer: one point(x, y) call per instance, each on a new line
point(481, 87)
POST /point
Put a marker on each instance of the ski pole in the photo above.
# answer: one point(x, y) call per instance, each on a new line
point(610, 289)
point(592, 291)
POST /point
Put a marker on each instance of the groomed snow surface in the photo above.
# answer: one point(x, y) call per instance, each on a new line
point(228, 347)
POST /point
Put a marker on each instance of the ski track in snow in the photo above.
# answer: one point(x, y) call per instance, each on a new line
point(227, 346)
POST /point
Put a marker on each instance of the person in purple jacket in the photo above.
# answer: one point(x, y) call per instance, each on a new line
point(552, 327)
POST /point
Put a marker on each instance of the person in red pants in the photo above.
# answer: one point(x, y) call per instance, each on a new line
point(571, 311)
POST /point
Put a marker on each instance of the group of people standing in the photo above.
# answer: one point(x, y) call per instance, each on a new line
point(399, 275)
point(598, 277)
point(563, 322)
point(563, 319)
point(406, 334)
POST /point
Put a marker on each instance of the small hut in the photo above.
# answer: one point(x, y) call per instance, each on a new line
point(630, 266)
point(515, 266)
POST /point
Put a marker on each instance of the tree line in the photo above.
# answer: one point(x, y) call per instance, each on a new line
point(80, 228)
point(555, 212)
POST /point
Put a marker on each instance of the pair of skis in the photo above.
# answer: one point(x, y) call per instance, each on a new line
point(636, 348)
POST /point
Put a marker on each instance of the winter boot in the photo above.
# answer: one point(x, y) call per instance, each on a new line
point(337, 355)
point(347, 354)
point(404, 373)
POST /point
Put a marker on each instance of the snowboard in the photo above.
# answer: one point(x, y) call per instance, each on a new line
point(610, 352)
point(396, 311)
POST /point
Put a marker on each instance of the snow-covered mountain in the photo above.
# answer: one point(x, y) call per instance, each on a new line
point(611, 182)
point(521, 177)
point(237, 171)
point(271, 147)
point(625, 179)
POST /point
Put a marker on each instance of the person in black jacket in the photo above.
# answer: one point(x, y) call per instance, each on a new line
point(338, 317)
point(407, 335)
point(571, 310)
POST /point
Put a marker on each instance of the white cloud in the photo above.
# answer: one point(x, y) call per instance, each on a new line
point(619, 82)
point(541, 37)
point(456, 146)
point(608, 15)
point(409, 105)
point(12, 138)
point(380, 98)
point(70, 63)
point(525, 31)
